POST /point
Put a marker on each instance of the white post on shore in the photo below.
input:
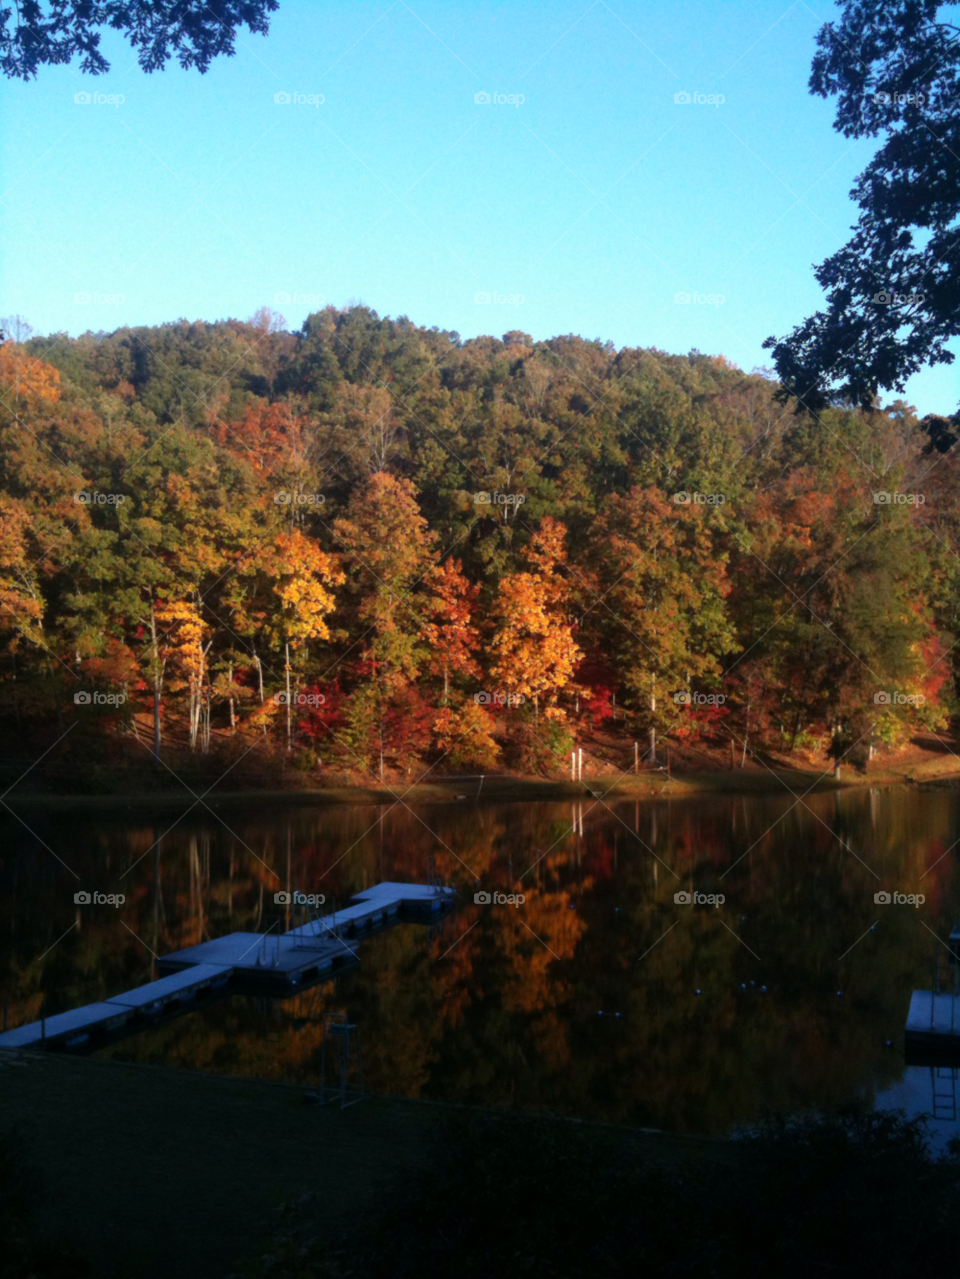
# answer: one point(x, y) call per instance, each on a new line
point(580, 764)
point(573, 766)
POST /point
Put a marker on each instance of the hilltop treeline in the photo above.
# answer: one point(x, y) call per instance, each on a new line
point(374, 548)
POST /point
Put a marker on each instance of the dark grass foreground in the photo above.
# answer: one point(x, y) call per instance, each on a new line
point(152, 1173)
point(27, 1250)
point(851, 1195)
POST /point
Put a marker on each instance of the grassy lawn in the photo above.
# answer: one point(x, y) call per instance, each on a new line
point(154, 1173)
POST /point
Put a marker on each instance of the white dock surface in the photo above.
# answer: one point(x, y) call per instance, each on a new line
point(313, 948)
point(933, 1014)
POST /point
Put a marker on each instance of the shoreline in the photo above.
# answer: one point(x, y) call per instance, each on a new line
point(502, 788)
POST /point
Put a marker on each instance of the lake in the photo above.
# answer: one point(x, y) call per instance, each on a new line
point(782, 985)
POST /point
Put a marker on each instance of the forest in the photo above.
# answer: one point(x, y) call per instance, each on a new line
point(369, 550)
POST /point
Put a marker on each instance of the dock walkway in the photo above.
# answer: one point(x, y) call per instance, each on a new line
point(266, 963)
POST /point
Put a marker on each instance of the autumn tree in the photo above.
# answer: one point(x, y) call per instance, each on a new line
point(281, 590)
point(388, 547)
point(533, 647)
point(447, 605)
point(662, 587)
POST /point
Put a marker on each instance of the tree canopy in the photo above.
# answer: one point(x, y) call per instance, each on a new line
point(35, 34)
point(380, 549)
point(893, 291)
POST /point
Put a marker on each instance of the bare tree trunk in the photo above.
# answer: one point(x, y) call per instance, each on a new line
point(156, 682)
point(289, 707)
point(652, 731)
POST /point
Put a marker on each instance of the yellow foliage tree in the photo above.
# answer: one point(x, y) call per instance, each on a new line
point(534, 649)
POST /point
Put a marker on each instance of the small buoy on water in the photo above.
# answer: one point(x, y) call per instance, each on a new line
point(763, 990)
point(743, 985)
point(752, 984)
point(888, 1043)
point(698, 992)
point(839, 994)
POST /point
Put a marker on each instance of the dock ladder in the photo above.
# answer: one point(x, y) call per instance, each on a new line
point(943, 1080)
point(341, 1036)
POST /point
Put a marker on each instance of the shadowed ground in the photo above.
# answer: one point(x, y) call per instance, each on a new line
point(154, 1172)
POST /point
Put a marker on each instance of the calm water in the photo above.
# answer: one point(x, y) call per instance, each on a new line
point(599, 996)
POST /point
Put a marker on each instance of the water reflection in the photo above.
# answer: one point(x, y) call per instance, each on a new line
point(600, 995)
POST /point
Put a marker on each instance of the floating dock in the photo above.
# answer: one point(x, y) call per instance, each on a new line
point(933, 1022)
point(262, 963)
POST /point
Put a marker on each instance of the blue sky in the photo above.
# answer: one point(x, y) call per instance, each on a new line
point(584, 208)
